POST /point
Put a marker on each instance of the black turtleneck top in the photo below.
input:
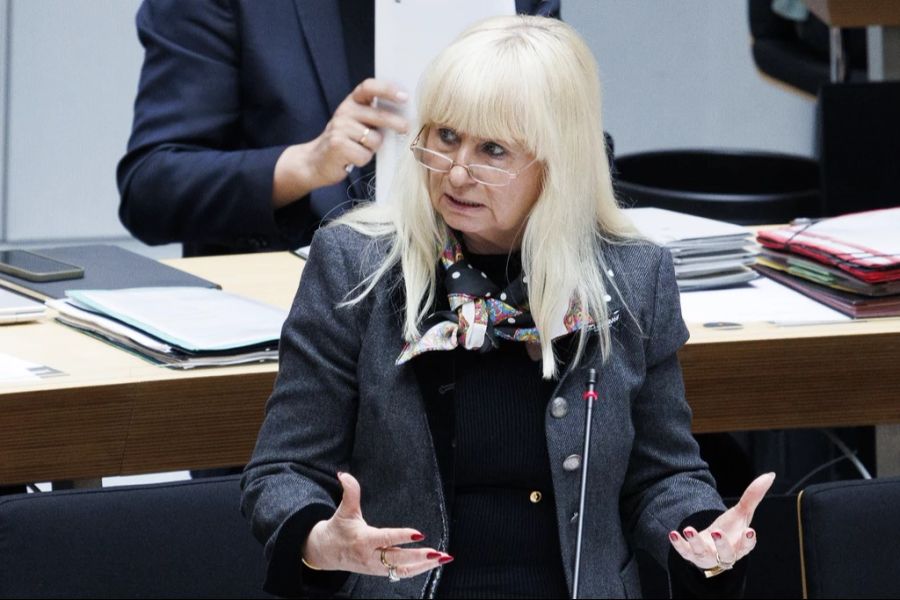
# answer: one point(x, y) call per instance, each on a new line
point(503, 530)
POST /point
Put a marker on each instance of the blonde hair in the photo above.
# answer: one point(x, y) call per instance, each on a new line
point(531, 80)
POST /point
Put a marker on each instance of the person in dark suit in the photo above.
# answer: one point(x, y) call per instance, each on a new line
point(247, 117)
point(424, 436)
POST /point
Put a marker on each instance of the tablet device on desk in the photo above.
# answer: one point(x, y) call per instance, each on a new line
point(18, 309)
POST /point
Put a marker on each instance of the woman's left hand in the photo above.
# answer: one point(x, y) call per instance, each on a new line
point(729, 538)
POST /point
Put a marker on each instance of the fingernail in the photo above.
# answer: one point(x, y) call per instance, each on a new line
point(339, 473)
point(433, 555)
point(417, 537)
point(749, 535)
point(445, 559)
point(716, 535)
point(688, 533)
point(673, 536)
point(402, 96)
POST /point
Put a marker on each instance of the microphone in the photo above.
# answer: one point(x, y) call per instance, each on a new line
point(589, 396)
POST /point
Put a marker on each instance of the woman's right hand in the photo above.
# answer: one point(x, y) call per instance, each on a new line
point(350, 138)
point(345, 542)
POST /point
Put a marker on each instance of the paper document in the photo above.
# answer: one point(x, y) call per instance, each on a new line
point(670, 228)
point(14, 369)
point(707, 253)
point(761, 300)
point(192, 318)
point(408, 35)
point(17, 309)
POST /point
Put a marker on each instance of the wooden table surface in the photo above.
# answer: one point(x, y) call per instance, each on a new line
point(113, 413)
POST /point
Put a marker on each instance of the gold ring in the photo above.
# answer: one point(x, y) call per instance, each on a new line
point(721, 567)
point(362, 139)
point(392, 569)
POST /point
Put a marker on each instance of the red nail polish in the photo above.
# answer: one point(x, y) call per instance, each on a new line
point(749, 535)
point(673, 536)
point(433, 555)
point(445, 559)
point(417, 537)
point(716, 535)
point(688, 534)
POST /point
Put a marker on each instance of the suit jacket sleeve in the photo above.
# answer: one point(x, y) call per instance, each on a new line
point(307, 434)
point(187, 175)
point(667, 481)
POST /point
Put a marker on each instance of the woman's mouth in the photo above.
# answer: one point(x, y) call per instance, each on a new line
point(462, 203)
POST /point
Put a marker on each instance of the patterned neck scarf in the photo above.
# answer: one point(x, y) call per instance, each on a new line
point(481, 313)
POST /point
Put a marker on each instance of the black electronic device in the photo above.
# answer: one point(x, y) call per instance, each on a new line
point(37, 267)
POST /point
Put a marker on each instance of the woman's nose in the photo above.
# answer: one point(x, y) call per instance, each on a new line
point(459, 175)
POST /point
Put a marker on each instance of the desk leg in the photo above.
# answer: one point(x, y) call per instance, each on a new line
point(77, 484)
point(887, 450)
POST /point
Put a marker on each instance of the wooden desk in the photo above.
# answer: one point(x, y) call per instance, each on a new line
point(115, 414)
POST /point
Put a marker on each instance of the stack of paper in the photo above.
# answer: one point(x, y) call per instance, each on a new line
point(851, 263)
point(707, 253)
point(180, 327)
point(18, 309)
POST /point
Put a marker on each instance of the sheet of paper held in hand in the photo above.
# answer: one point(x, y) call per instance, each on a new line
point(762, 300)
point(192, 318)
point(408, 35)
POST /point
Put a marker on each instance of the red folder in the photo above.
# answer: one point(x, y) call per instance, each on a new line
point(865, 245)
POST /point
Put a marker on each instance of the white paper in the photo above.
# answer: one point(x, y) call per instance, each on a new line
point(762, 300)
point(878, 230)
point(73, 315)
point(192, 318)
point(667, 227)
point(17, 309)
point(14, 369)
point(408, 35)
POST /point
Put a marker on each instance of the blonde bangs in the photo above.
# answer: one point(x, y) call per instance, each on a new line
point(494, 99)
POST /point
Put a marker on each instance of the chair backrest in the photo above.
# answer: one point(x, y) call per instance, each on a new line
point(850, 539)
point(859, 142)
point(183, 539)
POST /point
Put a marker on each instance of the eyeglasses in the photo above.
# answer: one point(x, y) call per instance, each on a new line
point(484, 174)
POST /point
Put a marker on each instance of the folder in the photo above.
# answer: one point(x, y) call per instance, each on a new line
point(106, 267)
point(853, 305)
point(866, 244)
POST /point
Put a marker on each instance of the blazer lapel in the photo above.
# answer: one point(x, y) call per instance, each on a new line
point(321, 24)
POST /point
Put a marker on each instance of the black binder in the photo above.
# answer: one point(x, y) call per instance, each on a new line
point(106, 267)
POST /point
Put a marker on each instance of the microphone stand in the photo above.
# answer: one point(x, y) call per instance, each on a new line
point(590, 395)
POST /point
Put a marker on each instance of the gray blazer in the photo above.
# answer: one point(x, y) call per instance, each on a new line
point(341, 404)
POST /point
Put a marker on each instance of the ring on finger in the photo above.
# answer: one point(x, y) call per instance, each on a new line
point(362, 139)
point(392, 568)
point(721, 567)
point(723, 564)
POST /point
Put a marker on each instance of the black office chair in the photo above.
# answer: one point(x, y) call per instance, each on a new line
point(850, 539)
point(174, 540)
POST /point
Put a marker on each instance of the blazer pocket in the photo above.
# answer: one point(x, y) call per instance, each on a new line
point(631, 578)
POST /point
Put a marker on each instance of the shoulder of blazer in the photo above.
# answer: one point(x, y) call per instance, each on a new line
point(350, 255)
point(635, 268)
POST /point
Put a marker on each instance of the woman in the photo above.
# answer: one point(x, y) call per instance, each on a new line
point(425, 431)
